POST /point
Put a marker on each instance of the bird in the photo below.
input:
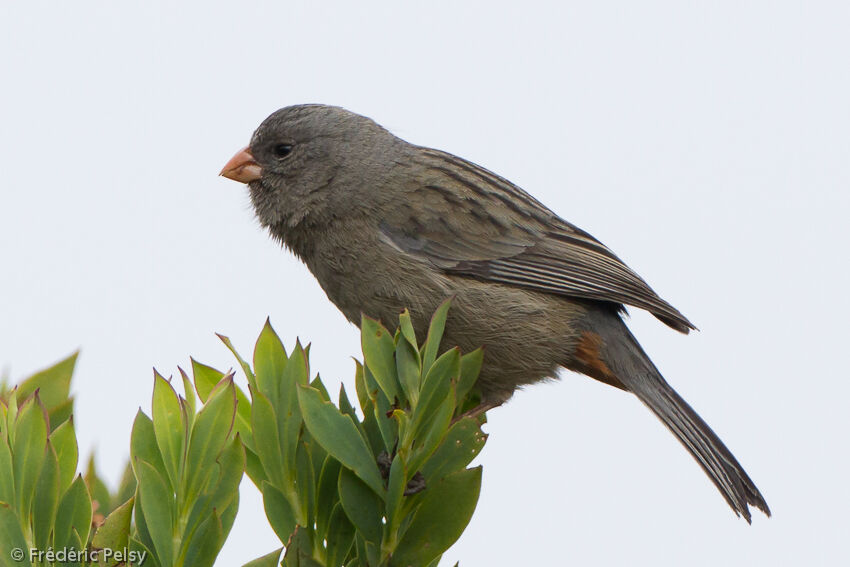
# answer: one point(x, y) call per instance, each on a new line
point(385, 225)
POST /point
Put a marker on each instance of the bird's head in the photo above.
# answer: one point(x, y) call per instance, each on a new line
point(311, 162)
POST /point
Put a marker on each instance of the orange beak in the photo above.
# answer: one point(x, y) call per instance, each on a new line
point(242, 167)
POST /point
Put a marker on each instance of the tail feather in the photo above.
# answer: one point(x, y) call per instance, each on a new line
point(622, 362)
point(711, 453)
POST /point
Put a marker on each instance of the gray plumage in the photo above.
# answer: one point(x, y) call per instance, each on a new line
point(384, 224)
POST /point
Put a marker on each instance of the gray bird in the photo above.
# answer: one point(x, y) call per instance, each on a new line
point(385, 225)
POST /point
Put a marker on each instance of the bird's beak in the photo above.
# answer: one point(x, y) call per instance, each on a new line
point(242, 167)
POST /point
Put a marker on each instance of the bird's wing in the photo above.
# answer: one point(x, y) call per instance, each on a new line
point(468, 221)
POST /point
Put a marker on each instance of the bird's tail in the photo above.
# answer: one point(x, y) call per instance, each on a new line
point(618, 354)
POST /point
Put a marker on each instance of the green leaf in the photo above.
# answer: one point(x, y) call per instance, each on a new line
point(267, 442)
point(189, 402)
point(158, 507)
point(298, 550)
point(278, 511)
point(320, 386)
point(436, 526)
point(378, 348)
point(229, 516)
point(340, 536)
point(306, 484)
point(462, 444)
point(246, 368)
point(406, 327)
point(435, 389)
point(97, 489)
point(141, 534)
point(269, 363)
point(395, 492)
point(435, 335)
point(407, 364)
point(231, 465)
point(242, 424)
point(12, 538)
point(53, 384)
point(73, 515)
point(361, 505)
point(338, 435)
point(433, 433)
point(143, 446)
point(168, 426)
point(268, 560)
point(64, 441)
point(46, 499)
point(345, 404)
point(60, 413)
point(210, 432)
point(206, 377)
point(470, 366)
point(115, 531)
point(254, 467)
point(127, 486)
point(326, 494)
point(288, 410)
point(11, 417)
point(387, 427)
point(7, 476)
point(28, 450)
point(360, 386)
point(205, 544)
point(143, 550)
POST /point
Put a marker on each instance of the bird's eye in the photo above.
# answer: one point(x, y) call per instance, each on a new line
point(282, 150)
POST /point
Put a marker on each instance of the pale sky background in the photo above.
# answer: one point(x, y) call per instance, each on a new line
point(708, 144)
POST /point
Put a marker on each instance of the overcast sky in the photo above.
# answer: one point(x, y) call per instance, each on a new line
point(706, 143)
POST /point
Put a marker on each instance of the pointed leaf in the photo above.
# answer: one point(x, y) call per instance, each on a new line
point(269, 560)
point(395, 492)
point(205, 377)
point(143, 446)
point(210, 432)
point(435, 389)
point(407, 365)
point(97, 489)
point(288, 411)
point(340, 536)
point(12, 538)
point(267, 442)
point(435, 335)
point(7, 476)
point(158, 507)
point(361, 505)
point(470, 366)
point(53, 384)
point(64, 441)
point(327, 494)
point(406, 327)
point(269, 363)
point(378, 348)
point(246, 368)
point(189, 401)
point(278, 511)
point(206, 542)
point(436, 526)
point(28, 450)
point(115, 531)
point(73, 515)
point(168, 426)
point(46, 499)
point(337, 434)
point(462, 444)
